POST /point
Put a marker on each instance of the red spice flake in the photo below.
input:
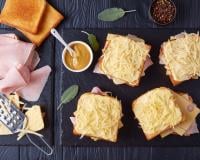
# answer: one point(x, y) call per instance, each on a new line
point(163, 11)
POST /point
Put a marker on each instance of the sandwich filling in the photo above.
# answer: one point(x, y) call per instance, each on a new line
point(98, 117)
point(181, 55)
point(156, 111)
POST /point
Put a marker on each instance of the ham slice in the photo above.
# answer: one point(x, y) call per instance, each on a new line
point(147, 64)
point(192, 130)
point(38, 79)
point(97, 69)
point(97, 90)
point(18, 60)
point(17, 77)
point(73, 120)
point(15, 52)
point(35, 60)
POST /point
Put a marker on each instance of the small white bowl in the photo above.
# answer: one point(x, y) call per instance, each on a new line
point(65, 52)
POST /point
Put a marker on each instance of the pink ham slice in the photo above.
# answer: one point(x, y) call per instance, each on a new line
point(15, 52)
point(97, 90)
point(18, 59)
point(16, 78)
point(73, 120)
point(147, 63)
point(10, 35)
point(38, 79)
point(192, 130)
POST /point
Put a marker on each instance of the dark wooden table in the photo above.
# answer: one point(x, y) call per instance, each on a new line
point(83, 14)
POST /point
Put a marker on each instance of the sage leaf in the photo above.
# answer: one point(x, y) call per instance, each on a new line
point(92, 41)
point(68, 95)
point(112, 14)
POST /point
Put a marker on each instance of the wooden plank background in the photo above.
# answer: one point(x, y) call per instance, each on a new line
point(83, 14)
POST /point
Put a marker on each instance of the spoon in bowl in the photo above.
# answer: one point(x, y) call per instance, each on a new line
point(55, 33)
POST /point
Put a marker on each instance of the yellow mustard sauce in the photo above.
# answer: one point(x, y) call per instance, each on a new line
point(81, 58)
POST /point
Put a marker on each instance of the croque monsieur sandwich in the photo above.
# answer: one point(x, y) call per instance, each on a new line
point(162, 111)
point(181, 57)
point(98, 116)
point(124, 59)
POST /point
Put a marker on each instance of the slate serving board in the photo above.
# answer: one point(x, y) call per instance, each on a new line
point(130, 134)
point(46, 99)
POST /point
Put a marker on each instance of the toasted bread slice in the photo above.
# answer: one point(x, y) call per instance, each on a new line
point(23, 14)
point(50, 19)
point(98, 117)
point(180, 55)
point(123, 59)
point(157, 111)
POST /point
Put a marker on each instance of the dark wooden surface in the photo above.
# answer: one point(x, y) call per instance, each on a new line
point(83, 14)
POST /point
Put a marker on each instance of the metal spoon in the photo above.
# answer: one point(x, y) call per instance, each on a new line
point(55, 33)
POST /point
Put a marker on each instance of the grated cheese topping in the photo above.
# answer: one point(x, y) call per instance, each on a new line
point(98, 116)
point(181, 54)
point(156, 111)
point(123, 58)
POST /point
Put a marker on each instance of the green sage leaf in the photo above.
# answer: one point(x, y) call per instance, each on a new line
point(112, 14)
point(68, 95)
point(93, 42)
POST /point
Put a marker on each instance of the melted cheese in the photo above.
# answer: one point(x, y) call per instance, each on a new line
point(182, 56)
point(123, 58)
point(98, 117)
point(156, 111)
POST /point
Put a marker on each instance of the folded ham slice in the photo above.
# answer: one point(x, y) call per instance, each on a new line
point(16, 78)
point(38, 79)
point(15, 52)
point(147, 64)
point(192, 130)
point(18, 60)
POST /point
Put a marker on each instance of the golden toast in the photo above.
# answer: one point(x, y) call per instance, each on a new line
point(23, 14)
point(50, 19)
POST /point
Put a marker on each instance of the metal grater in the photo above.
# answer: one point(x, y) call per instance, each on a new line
point(10, 115)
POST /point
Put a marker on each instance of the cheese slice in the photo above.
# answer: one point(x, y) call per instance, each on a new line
point(35, 119)
point(4, 130)
point(190, 115)
point(14, 98)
